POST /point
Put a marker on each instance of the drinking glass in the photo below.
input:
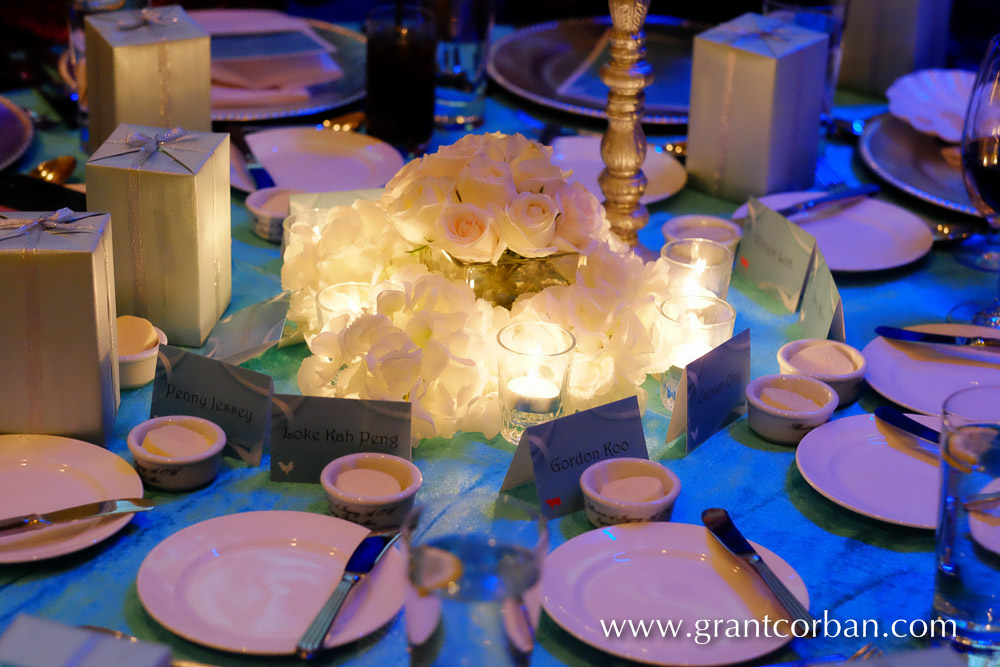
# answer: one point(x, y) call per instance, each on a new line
point(463, 33)
point(826, 16)
point(695, 325)
point(399, 105)
point(967, 582)
point(699, 266)
point(981, 172)
point(475, 563)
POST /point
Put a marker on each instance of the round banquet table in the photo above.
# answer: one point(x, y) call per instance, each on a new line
point(855, 567)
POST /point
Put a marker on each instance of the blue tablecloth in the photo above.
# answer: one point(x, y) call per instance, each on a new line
point(854, 567)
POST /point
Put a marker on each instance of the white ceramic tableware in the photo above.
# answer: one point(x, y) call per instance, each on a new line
point(269, 207)
point(177, 473)
point(847, 384)
point(42, 473)
point(662, 570)
point(698, 226)
point(919, 376)
point(788, 426)
point(252, 582)
point(933, 101)
point(869, 235)
point(136, 370)
point(867, 466)
point(603, 510)
point(372, 511)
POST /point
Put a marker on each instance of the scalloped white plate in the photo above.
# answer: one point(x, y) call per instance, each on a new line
point(933, 101)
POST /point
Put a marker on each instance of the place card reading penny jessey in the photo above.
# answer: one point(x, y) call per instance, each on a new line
point(556, 453)
point(775, 254)
point(711, 391)
point(307, 432)
point(235, 398)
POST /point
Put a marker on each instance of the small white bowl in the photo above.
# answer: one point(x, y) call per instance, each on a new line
point(604, 511)
point(372, 511)
point(847, 385)
point(788, 426)
point(177, 473)
point(269, 207)
point(697, 226)
point(136, 370)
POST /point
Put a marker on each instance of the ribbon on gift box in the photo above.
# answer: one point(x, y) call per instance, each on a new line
point(172, 144)
point(57, 222)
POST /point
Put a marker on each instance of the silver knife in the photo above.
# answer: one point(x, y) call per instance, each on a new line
point(27, 522)
point(258, 173)
point(940, 339)
point(717, 520)
point(894, 417)
point(842, 199)
point(361, 562)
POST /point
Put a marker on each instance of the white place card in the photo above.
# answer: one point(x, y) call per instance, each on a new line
point(556, 453)
point(822, 312)
point(248, 332)
point(307, 432)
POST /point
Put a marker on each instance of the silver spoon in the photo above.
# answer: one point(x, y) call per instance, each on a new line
point(57, 170)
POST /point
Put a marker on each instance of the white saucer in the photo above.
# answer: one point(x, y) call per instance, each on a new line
point(874, 469)
point(919, 376)
point(870, 235)
point(41, 473)
point(582, 154)
point(252, 582)
point(667, 571)
point(317, 160)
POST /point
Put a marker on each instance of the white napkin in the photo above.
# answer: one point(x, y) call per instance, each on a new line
point(290, 71)
point(227, 97)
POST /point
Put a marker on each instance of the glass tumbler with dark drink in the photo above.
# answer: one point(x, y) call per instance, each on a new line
point(400, 69)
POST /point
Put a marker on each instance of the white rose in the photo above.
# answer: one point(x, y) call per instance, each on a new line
point(467, 232)
point(581, 219)
point(534, 172)
point(529, 225)
point(485, 183)
point(416, 210)
point(449, 161)
point(410, 172)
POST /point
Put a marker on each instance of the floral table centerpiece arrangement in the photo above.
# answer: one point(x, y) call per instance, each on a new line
point(423, 335)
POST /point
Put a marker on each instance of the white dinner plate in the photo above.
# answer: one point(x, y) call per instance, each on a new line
point(919, 376)
point(874, 469)
point(666, 571)
point(317, 160)
point(42, 473)
point(582, 154)
point(252, 582)
point(871, 235)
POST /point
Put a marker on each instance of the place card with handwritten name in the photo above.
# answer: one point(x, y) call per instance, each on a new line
point(822, 312)
point(775, 254)
point(711, 391)
point(556, 453)
point(235, 398)
point(307, 432)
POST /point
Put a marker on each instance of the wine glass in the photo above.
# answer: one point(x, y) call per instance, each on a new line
point(981, 172)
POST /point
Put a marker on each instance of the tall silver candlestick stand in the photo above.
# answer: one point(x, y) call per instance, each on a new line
point(623, 147)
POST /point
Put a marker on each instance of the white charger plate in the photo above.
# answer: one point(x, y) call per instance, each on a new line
point(662, 571)
point(871, 235)
point(865, 465)
point(317, 160)
point(920, 377)
point(42, 473)
point(582, 154)
point(252, 582)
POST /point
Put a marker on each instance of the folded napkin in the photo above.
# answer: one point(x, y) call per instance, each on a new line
point(227, 97)
point(283, 72)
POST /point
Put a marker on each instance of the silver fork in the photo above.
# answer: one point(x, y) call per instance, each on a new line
point(827, 177)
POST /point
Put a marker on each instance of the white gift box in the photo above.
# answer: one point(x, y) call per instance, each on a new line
point(58, 342)
point(885, 39)
point(147, 67)
point(168, 195)
point(756, 94)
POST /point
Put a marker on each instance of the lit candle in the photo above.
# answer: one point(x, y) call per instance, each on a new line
point(534, 394)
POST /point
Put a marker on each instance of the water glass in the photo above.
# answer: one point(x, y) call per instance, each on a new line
point(699, 266)
point(826, 16)
point(463, 33)
point(694, 325)
point(533, 363)
point(475, 563)
point(967, 583)
point(399, 105)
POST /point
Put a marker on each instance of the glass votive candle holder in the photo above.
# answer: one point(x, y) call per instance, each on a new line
point(533, 363)
point(699, 266)
point(312, 218)
point(695, 325)
point(349, 299)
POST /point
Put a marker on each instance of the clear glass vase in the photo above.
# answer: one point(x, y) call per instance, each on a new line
point(509, 278)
